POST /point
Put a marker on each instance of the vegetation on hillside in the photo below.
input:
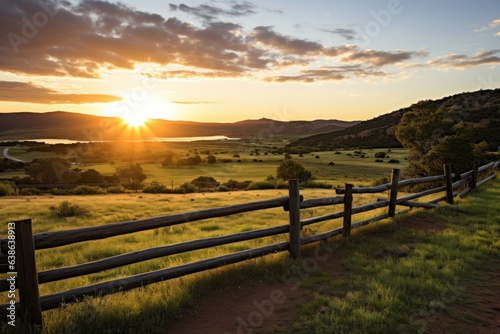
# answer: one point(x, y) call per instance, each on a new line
point(435, 136)
point(480, 108)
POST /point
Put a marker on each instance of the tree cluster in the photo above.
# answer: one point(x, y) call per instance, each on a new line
point(435, 136)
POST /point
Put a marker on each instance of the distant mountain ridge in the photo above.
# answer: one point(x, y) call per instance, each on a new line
point(480, 108)
point(76, 126)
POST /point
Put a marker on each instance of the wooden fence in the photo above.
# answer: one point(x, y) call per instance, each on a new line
point(31, 304)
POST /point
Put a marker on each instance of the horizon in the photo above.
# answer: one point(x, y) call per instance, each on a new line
point(231, 61)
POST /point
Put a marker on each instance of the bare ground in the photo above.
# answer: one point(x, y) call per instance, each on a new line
point(258, 307)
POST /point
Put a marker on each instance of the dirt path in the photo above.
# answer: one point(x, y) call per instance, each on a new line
point(259, 307)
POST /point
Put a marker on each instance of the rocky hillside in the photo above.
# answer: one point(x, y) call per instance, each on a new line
point(480, 108)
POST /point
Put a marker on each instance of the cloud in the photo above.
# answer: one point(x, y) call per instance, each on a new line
point(381, 58)
point(28, 92)
point(491, 25)
point(329, 73)
point(208, 12)
point(348, 34)
point(92, 38)
point(483, 57)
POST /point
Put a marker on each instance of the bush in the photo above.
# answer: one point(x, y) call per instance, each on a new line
point(223, 189)
point(116, 190)
point(187, 188)
point(316, 184)
point(59, 192)
point(379, 160)
point(393, 161)
point(380, 181)
point(380, 155)
point(30, 191)
point(67, 209)
point(262, 185)
point(88, 190)
point(6, 189)
point(331, 163)
point(155, 187)
point(233, 184)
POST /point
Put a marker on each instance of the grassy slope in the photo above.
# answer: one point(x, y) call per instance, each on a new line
point(401, 276)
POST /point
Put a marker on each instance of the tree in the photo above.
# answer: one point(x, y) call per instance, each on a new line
point(290, 169)
point(435, 136)
point(205, 182)
point(51, 171)
point(91, 176)
point(131, 174)
point(171, 158)
point(211, 159)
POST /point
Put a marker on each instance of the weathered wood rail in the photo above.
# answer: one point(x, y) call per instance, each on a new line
point(31, 305)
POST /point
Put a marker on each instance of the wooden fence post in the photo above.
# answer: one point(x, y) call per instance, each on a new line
point(448, 183)
point(475, 173)
point(347, 211)
point(294, 214)
point(27, 276)
point(393, 194)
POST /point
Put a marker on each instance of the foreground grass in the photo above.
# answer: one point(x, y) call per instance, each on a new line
point(384, 293)
point(401, 277)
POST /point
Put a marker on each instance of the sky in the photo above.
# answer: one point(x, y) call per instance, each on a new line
point(230, 60)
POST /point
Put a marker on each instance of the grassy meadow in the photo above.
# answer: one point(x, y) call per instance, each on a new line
point(237, 160)
point(393, 291)
point(164, 299)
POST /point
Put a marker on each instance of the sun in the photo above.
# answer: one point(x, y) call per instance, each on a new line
point(135, 119)
point(141, 111)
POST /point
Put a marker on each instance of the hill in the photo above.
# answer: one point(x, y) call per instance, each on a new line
point(75, 126)
point(480, 108)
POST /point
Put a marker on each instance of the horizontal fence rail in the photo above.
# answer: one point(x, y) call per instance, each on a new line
point(31, 304)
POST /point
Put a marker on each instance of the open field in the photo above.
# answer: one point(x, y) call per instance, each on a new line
point(393, 285)
point(113, 208)
point(237, 160)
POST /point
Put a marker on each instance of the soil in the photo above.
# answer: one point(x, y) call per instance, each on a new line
point(258, 307)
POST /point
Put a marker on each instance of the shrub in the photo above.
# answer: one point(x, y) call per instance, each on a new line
point(155, 187)
point(88, 190)
point(393, 161)
point(261, 185)
point(67, 209)
point(30, 191)
point(331, 163)
point(380, 181)
point(205, 182)
point(116, 190)
point(379, 160)
point(316, 184)
point(59, 192)
point(6, 189)
point(380, 155)
point(233, 184)
point(187, 188)
point(223, 189)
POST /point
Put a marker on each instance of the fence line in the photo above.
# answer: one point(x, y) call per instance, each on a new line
point(31, 305)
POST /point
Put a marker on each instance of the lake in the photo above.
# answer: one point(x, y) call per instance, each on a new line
point(156, 139)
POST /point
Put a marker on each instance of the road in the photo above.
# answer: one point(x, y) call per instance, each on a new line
point(6, 155)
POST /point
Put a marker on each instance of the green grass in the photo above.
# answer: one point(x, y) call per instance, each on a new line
point(399, 277)
point(349, 167)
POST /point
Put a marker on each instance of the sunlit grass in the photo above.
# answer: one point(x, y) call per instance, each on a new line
point(401, 277)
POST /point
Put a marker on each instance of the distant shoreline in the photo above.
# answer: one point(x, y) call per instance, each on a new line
point(52, 141)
